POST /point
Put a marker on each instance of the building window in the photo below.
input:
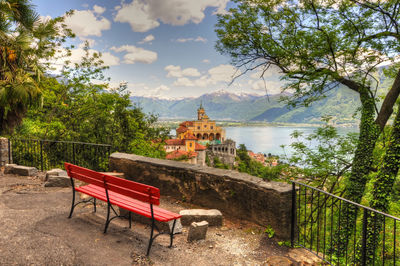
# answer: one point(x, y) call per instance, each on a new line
point(198, 127)
point(190, 144)
point(212, 127)
point(205, 126)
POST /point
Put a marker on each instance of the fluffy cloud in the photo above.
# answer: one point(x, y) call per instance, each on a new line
point(108, 58)
point(136, 54)
point(270, 86)
point(177, 72)
point(98, 9)
point(87, 22)
point(222, 73)
point(198, 39)
point(144, 15)
point(148, 38)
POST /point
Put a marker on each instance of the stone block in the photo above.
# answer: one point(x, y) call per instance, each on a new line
point(197, 231)
point(57, 181)
point(55, 172)
point(164, 227)
point(9, 168)
point(213, 216)
point(25, 170)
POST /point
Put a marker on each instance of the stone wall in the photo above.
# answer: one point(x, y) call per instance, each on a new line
point(234, 194)
point(226, 152)
point(4, 154)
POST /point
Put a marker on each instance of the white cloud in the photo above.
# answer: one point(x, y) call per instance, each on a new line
point(148, 38)
point(98, 9)
point(137, 14)
point(144, 15)
point(136, 54)
point(216, 75)
point(177, 72)
point(223, 73)
point(270, 86)
point(108, 58)
point(86, 23)
point(198, 39)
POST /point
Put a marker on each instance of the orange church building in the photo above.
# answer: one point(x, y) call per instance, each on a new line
point(203, 128)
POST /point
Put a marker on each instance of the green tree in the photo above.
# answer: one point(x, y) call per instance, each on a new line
point(318, 45)
point(26, 42)
point(76, 108)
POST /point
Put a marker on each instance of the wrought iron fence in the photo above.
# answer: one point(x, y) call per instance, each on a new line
point(48, 154)
point(369, 237)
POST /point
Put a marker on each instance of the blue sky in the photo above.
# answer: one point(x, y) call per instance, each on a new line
point(162, 48)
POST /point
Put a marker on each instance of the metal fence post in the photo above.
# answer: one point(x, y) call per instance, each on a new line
point(9, 151)
point(364, 239)
point(73, 153)
point(41, 156)
point(293, 218)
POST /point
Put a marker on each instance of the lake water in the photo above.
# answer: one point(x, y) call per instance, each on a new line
point(269, 139)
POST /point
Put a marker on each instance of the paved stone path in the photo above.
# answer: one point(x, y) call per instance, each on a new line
point(34, 229)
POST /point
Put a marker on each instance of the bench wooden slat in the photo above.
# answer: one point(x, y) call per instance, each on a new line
point(129, 204)
point(125, 187)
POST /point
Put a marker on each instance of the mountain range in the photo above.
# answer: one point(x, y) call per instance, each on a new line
point(340, 103)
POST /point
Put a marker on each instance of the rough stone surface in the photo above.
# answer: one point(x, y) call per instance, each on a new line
point(9, 168)
point(278, 261)
point(120, 175)
point(197, 231)
point(213, 217)
point(235, 194)
point(55, 172)
point(57, 181)
point(22, 170)
point(4, 159)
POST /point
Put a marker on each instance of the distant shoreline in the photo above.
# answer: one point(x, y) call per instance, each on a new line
point(175, 123)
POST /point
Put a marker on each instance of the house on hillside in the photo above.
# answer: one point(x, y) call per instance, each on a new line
point(186, 149)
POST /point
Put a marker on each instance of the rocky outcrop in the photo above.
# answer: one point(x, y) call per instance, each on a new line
point(233, 193)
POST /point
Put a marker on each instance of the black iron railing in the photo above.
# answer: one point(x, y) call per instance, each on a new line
point(48, 154)
point(365, 237)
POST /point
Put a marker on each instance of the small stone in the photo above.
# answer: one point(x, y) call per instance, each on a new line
point(57, 181)
point(55, 172)
point(177, 228)
point(278, 261)
point(9, 168)
point(210, 247)
point(25, 170)
point(197, 231)
point(213, 216)
point(224, 228)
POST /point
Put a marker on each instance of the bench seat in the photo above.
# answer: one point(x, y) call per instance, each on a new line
point(128, 203)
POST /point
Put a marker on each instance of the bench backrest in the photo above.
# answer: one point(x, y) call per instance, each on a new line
point(122, 186)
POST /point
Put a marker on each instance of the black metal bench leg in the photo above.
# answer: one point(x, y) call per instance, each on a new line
point(151, 237)
point(130, 220)
point(108, 219)
point(73, 199)
point(172, 234)
point(94, 204)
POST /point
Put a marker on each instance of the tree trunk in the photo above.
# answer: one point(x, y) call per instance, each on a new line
point(355, 187)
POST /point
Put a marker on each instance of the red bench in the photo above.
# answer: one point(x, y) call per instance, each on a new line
point(131, 196)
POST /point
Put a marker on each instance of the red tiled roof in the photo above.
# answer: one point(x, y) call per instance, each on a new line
point(186, 123)
point(199, 147)
point(179, 153)
point(175, 142)
point(181, 129)
point(190, 137)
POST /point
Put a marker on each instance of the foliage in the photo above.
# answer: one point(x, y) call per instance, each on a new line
point(247, 165)
point(219, 164)
point(27, 43)
point(269, 231)
point(76, 109)
point(322, 158)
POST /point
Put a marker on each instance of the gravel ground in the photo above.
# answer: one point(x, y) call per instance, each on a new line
point(35, 230)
